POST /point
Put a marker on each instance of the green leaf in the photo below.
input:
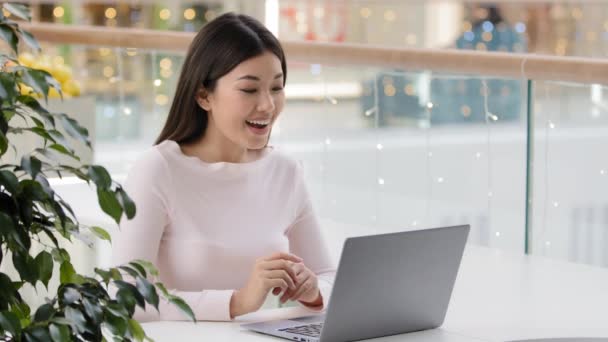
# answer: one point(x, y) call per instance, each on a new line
point(181, 304)
point(136, 330)
point(63, 150)
point(44, 261)
point(9, 181)
point(105, 275)
point(101, 233)
point(26, 266)
point(3, 144)
point(44, 313)
point(36, 334)
point(100, 176)
point(124, 286)
point(125, 298)
point(36, 79)
point(18, 10)
point(77, 319)
point(7, 84)
point(127, 203)
point(148, 266)
point(139, 269)
point(29, 40)
point(31, 165)
point(10, 322)
point(22, 311)
point(33, 104)
point(44, 183)
point(60, 255)
point(68, 274)
point(59, 333)
point(117, 325)
point(117, 310)
point(163, 290)
point(93, 310)
point(148, 291)
point(133, 273)
point(76, 131)
point(8, 230)
point(68, 295)
point(9, 36)
point(109, 204)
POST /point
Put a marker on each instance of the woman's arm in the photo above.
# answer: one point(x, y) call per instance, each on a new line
point(306, 241)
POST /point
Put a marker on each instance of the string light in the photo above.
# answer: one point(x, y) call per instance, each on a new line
point(58, 12)
point(110, 13)
point(127, 111)
point(108, 71)
point(104, 52)
point(165, 63)
point(370, 111)
point(390, 15)
point(157, 82)
point(365, 12)
point(379, 147)
point(209, 15)
point(189, 14)
point(164, 14)
point(161, 99)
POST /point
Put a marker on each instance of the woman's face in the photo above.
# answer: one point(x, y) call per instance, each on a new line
point(246, 102)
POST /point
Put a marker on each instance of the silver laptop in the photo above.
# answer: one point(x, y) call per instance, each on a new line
point(386, 284)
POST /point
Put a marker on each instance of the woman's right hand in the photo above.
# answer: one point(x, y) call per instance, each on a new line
point(269, 273)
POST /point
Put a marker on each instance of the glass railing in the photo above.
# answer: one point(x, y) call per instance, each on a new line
point(570, 179)
point(574, 28)
point(387, 150)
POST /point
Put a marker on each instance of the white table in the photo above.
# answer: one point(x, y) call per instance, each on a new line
point(498, 296)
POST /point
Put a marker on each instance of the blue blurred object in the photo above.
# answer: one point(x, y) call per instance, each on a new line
point(455, 98)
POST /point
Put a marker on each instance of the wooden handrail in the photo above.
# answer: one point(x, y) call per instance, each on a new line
point(511, 65)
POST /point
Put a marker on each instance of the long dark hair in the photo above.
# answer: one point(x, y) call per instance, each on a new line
point(217, 48)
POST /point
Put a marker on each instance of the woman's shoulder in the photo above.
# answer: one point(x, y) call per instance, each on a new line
point(286, 162)
point(153, 160)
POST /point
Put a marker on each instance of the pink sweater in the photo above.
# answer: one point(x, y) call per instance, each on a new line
point(204, 224)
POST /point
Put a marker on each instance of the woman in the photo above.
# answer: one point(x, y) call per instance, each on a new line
point(226, 219)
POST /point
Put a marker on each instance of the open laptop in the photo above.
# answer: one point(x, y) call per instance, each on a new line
point(386, 284)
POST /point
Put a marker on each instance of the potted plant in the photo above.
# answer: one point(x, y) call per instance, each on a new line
point(32, 215)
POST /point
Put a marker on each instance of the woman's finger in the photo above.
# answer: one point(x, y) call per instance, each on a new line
point(285, 265)
point(281, 274)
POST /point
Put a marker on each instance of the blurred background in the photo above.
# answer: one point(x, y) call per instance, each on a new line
point(383, 149)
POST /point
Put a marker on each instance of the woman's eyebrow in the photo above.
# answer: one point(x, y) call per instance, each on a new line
point(255, 78)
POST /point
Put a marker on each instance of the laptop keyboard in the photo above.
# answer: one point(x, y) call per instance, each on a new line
point(312, 330)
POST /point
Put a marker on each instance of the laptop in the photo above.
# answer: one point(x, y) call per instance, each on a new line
point(385, 285)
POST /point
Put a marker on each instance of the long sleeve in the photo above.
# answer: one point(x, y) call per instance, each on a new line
point(149, 185)
point(306, 239)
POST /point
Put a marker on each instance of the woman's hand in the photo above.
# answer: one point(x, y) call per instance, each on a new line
point(275, 273)
point(307, 287)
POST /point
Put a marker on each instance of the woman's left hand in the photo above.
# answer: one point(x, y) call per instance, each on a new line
point(307, 287)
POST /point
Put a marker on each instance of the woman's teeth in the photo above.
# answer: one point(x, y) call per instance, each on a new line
point(259, 123)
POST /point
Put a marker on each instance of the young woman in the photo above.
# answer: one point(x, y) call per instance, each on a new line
point(226, 218)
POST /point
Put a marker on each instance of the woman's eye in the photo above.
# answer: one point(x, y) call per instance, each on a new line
point(249, 91)
point(277, 89)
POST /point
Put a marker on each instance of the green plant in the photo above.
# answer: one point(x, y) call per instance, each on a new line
point(33, 214)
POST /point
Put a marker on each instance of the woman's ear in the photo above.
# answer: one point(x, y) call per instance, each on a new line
point(202, 98)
